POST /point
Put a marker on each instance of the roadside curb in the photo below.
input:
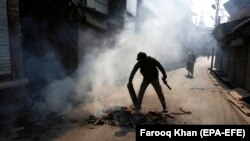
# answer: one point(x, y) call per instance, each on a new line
point(232, 95)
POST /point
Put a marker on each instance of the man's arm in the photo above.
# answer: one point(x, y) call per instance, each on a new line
point(160, 67)
point(136, 67)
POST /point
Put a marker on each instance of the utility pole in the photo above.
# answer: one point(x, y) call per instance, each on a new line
point(216, 23)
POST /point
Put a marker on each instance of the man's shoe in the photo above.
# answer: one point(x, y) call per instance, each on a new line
point(165, 110)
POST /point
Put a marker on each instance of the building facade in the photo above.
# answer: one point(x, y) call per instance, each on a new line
point(12, 80)
point(233, 52)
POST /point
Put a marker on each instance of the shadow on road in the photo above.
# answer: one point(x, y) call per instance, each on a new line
point(43, 130)
point(189, 77)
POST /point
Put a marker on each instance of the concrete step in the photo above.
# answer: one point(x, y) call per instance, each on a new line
point(243, 106)
point(237, 97)
point(239, 94)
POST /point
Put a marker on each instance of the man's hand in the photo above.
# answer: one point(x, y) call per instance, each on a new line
point(164, 78)
point(166, 83)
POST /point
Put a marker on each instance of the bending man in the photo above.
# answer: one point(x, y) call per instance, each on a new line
point(149, 69)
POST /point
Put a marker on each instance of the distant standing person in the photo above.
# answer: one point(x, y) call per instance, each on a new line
point(149, 69)
point(190, 63)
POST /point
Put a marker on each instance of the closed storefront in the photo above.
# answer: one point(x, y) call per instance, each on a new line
point(240, 65)
point(5, 61)
point(231, 63)
point(224, 60)
point(218, 59)
point(89, 39)
point(12, 89)
point(82, 42)
point(235, 60)
point(247, 80)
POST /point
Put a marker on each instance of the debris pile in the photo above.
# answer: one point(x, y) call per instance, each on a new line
point(123, 116)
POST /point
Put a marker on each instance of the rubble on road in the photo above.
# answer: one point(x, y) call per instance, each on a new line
point(117, 116)
point(122, 116)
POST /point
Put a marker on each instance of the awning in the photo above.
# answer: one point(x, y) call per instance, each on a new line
point(241, 26)
point(229, 29)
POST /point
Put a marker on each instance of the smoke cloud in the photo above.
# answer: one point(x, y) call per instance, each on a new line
point(163, 29)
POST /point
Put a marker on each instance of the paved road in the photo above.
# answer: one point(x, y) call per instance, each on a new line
point(201, 96)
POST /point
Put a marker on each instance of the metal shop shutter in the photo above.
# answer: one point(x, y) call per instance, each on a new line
point(89, 39)
point(224, 61)
point(218, 59)
point(240, 65)
point(231, 63)
point(5, 63)
point(82, 42)
point(247, 82)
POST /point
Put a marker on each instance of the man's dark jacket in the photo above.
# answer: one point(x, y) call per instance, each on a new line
point(148, 68)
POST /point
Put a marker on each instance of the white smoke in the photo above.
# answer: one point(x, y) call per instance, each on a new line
point(161, 30)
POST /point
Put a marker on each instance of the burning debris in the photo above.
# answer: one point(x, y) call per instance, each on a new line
point(123, 116)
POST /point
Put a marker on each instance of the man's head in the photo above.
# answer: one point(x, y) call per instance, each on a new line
point(141, 56)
